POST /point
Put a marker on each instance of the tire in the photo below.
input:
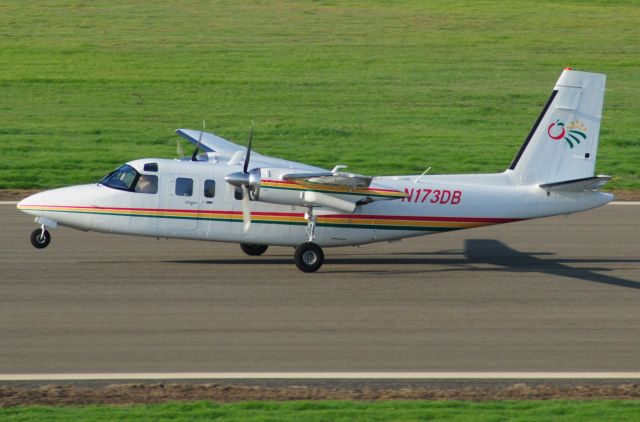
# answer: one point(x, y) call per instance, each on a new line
point(309, 257)
point(40, 240)
point(253, 250)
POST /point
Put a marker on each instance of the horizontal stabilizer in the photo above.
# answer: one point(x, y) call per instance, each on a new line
point(577, 185)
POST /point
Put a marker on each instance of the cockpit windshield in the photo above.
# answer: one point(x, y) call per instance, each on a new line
point(123, 178)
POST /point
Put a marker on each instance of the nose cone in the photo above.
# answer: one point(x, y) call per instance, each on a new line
point(70, 206)
point(33, 204)
point(56, 199)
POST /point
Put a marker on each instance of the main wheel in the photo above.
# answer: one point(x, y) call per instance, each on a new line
point(253, 250)
point(309, 257)
point(40, 238)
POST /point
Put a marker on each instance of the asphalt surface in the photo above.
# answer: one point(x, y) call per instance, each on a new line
point(557, 294)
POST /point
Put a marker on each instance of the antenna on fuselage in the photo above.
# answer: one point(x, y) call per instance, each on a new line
point(194, 156)
point(423, 173)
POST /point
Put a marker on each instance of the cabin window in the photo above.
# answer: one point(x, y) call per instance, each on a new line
point(122, 178)
point(151, 167)
point(147, 183)
point(184, 186)
point(237, 193)
point(209, 188)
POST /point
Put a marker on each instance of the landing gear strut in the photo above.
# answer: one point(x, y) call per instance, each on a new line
point(310, 231)
point(309, 257)
point(40, 238)
point(252, 249)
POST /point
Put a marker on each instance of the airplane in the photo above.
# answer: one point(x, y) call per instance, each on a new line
point(230, 193)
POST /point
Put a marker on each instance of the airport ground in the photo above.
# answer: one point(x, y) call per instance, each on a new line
point(556, 294)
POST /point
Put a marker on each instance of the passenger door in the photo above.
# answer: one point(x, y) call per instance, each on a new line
point(214, 220)
point(180, 205)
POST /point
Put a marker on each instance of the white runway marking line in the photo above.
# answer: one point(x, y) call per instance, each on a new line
point(321, 375)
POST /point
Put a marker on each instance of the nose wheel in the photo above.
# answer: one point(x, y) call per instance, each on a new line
point(309, 257)
point(40, 238)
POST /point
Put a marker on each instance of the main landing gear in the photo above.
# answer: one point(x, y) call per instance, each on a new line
point(40, 238)
point(309, 257)
point(253, 250)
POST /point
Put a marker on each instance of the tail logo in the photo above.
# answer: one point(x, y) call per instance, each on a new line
point(573, 132)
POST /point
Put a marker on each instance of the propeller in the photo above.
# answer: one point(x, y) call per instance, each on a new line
point(194, 156)
point(243, 179)
point(179, 149)
point(246, 211)
point(248, 155)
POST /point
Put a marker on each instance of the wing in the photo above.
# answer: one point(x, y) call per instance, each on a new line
point(291, 183)
point(212, 143)
point(355, 186)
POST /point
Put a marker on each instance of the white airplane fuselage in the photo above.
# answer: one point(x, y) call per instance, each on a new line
point(433, 204)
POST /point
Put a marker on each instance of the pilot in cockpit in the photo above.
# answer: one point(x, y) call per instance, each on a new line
point(147, 184)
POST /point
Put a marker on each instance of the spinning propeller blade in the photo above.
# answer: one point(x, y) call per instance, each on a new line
point(195, 151)
point(248, 154)
point(246, 211)
point(179, 149)
point(243, 180)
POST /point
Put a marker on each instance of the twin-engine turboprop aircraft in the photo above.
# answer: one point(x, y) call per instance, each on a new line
point(231, 194)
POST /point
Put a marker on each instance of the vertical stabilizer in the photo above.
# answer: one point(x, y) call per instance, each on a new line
point(563, 143)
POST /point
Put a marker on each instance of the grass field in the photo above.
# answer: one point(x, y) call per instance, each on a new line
point(340, 411)
point(385, 87)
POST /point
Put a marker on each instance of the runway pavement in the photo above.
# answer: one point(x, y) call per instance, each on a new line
point(557, 294)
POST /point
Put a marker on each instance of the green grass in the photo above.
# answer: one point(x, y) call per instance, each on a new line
point(340, 411)
point(385, 87)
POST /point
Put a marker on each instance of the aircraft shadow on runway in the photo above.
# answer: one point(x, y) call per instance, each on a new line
point(477, 254)
point(493, 252)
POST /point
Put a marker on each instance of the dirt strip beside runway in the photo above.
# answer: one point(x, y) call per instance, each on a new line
point(138, 393)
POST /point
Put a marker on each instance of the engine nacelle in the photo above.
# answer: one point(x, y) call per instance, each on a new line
point(270, 187)
point(280, 186)
point(303, 198)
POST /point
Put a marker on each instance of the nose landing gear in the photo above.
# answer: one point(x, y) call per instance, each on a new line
point(40, 238)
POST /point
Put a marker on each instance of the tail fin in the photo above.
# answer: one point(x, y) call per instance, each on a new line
point(563, 143)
